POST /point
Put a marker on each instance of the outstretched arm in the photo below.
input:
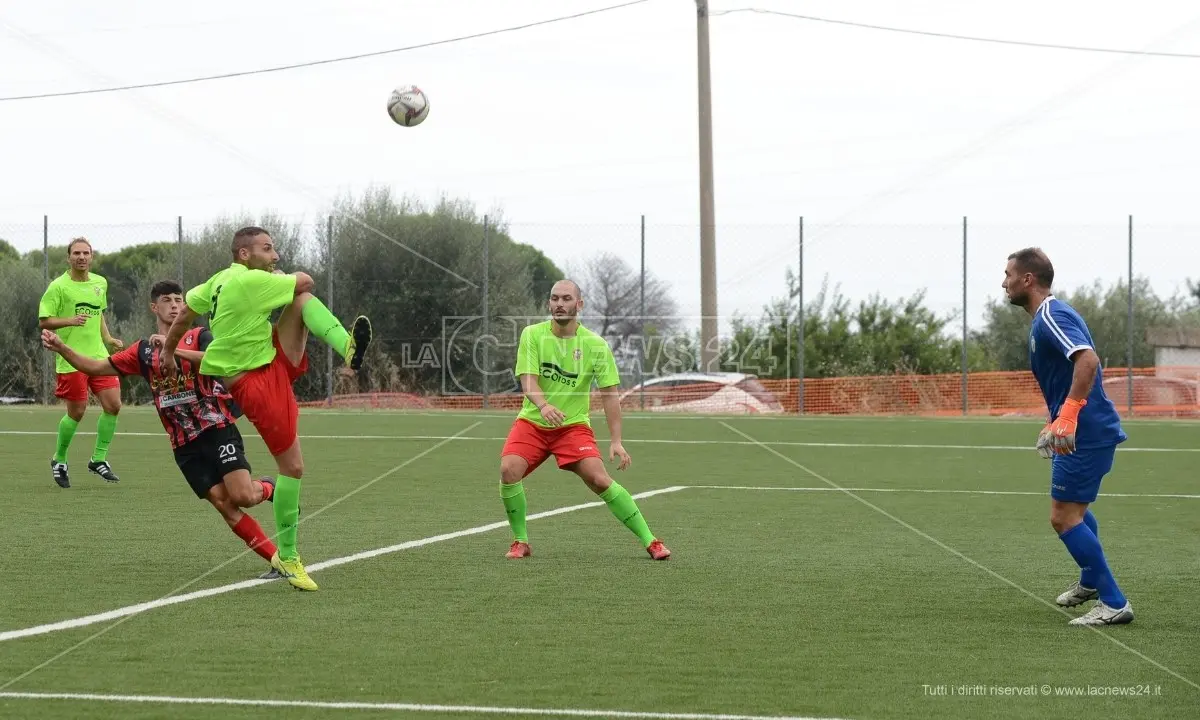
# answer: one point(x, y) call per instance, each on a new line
point(86, 365)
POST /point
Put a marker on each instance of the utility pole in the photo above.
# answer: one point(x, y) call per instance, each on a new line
point(708, 241)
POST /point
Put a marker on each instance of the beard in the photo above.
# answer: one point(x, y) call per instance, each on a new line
point(1020, 299)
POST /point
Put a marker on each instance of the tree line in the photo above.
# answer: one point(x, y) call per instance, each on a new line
point(420, 274)
point(416, 271)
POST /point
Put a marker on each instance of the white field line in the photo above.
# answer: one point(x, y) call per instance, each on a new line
point(125, 618)
point(315, 567)
point(928, 490)
point(402, 707)
point(779, 443)
point(1106, 635)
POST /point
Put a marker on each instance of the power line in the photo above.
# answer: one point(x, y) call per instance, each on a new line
point(929, 33)
point(327, 61)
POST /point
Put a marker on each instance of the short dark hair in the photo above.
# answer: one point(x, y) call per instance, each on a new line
point(244, 237)
point(165, 287)
point(76, 241)
point(1034, 260)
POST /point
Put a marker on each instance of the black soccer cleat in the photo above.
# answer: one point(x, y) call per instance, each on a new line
point(59, 471)
point(360, 340)
point(103, 470)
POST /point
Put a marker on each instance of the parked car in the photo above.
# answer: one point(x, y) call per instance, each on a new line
point(696, 392)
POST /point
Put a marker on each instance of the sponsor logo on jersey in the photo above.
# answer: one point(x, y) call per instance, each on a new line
point(554, 373)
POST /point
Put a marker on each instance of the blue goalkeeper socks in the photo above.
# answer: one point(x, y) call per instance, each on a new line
point(1083, 545)
point(1087, 578)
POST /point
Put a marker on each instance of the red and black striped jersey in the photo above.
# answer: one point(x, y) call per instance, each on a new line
point(191, 403)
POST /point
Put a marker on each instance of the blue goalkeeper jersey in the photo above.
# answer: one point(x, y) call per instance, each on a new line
point(1057, 333)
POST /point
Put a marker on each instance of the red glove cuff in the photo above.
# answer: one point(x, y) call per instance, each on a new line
point(1070, 409)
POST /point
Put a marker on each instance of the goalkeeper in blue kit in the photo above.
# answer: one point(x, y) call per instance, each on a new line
point(1082, 436)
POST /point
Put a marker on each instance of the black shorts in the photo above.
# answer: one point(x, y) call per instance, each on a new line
point(206, 460)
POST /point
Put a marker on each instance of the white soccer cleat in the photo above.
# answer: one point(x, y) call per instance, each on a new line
point(1102, 614)
point(1076, 595)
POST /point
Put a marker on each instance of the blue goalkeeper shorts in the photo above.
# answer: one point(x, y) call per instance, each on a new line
point(1076, 477)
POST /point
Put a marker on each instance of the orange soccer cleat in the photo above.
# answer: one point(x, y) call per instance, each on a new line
point(518, 550)
point(657, 550)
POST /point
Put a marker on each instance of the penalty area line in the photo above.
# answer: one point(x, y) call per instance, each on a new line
point(396, 706)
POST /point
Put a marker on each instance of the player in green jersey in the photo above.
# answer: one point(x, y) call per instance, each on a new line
point(258, 362)
point(73, 306)
point(557, 363)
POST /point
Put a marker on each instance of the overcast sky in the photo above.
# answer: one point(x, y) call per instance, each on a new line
point(883, 141)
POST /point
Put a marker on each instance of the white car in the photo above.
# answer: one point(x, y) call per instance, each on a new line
point(711, 393)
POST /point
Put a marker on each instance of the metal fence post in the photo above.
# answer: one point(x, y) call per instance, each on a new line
point(486, 310)
point(642, 322)
point(964, 317)
point(179, 237)
point(800, 322)
point(329, 267)
point(47, 361)
point(1129, 322)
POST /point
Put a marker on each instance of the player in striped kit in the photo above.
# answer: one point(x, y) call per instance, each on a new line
point(197, 412)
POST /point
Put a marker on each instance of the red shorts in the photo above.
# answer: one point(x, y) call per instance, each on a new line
point(266, 397)
point(568, 444)
point(74, 386)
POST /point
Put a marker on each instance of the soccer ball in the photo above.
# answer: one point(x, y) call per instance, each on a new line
point(408, 105)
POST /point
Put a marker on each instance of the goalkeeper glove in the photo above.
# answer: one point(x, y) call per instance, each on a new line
point(1062, 430)
point(1043, 443)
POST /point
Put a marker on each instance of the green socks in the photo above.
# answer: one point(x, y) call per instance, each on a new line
point(618, 499)
point(286, 501)
point(106, 427)
point(323, 324)
point(66, 431)
point(513, 496)
point(622, 505)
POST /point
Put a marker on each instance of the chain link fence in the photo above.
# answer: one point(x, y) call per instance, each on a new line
point(814, 318)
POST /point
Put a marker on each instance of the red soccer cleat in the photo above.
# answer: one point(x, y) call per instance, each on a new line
point(519, 550)
point(658, 551)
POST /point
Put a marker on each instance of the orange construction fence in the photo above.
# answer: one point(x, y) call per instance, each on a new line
point(1169, 392)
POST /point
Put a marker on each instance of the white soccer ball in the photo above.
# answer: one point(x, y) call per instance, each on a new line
point(408, 105)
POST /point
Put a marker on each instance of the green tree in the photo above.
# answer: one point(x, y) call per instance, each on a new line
point(21, 355)
point(418, 273)
point(8, 253)
point(875, 336)
point(1105, 309)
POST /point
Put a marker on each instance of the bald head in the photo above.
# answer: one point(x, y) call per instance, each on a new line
point(567, 286)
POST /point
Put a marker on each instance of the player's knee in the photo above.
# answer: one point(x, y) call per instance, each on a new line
point(293, 468)
point(243, 495)
point(1064, 517)
point(594, 476)
point(224, 504)
point(512, 469)
point(75, 412)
